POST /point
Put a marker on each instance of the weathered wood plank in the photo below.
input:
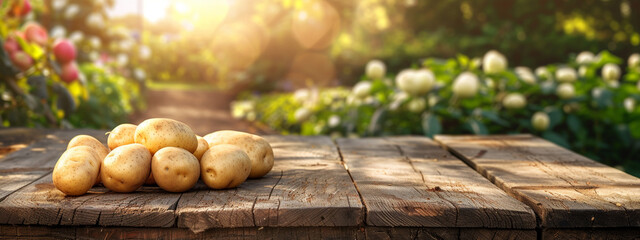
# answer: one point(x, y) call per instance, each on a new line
point(40, 203)
point(411, 181)
point(28, 164)
point(591, 233)
point(47, 232)
point(565, 190)
point(308, 186)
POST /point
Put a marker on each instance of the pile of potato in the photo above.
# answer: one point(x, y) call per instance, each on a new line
point(161, 151)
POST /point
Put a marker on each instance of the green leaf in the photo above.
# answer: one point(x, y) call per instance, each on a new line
point(555, 138)
point(431, 124)
point(477, 127)
point(494, 117)
point(574, 124)
point(555, 116)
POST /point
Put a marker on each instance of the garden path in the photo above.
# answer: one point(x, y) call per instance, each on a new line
point(204, 111)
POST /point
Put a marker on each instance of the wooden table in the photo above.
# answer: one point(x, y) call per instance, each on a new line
point(456, 187)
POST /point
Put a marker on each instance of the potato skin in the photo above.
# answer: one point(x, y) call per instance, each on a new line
point(86, 140)
point(76, 170)
point(121, 135)
point(157, 133)
point(224, 166)
point(175, 169)
point(203, 146)
point(126, 168)
point(95, 144)
point(258, 149)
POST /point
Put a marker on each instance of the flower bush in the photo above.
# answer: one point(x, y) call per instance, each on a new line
point(46, 80)
point(592, 112)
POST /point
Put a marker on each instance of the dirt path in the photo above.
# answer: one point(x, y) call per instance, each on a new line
point(203, 111)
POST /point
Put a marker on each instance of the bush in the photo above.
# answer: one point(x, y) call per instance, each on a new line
point(581, 105)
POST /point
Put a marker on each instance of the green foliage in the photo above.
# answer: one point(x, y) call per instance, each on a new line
point(109, 100)
point(599, 121)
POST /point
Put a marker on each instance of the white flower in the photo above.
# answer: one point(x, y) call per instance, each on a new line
point(565, 91)
point(76, 37)
point(634, 60)
point(514, 101)
point(612, 83)
point(398, 99)
point(58, 32)
point(494, 62)
point(126, 45)
point(375, 69)
point(362, 89)
point(139, 74)
point(94, 56)
point(95, 42)
point(490, 82)
point(71, 11)
point(95, 20)
point(415, 82)
point(334, 121)
point(542, 72)
point(301, 95)
point(417, 105)
point(585, 58)
point(525, 75)
point(466, 85)
point(629, 104)
point(566, 74)
point(302, 114)
point(433, 100)
point(540, 121)
point(122, 59)
point(611, 72)
point(597, 92)
point(58, 4)
point(582, 71)
point(145, 52)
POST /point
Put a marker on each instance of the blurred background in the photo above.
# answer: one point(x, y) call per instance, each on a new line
point(566, 71)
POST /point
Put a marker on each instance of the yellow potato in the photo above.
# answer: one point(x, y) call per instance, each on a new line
point(121, 135)
point(157, 133)
point(76, 170)
point(95, 144)
point(258, 149)
point(203, 146)
point(224, 166)
point(175, 169)
point(86, 140)
point(126, 168)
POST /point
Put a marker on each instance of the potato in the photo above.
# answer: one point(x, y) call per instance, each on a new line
point(225, 166)
point(126, 168)
point(175, 169)
point(203, 146)
point(157, 133)
point(95, 144)
point(121, 135)
point(76, 170)
point(258, 149)
point(86, 140)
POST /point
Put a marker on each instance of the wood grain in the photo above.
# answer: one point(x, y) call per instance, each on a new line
point(591, 233)
point(308, 186)
point(40, 203)
point(411, 181)
point(565, 190)
point(28, 164)
point(45, 232)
